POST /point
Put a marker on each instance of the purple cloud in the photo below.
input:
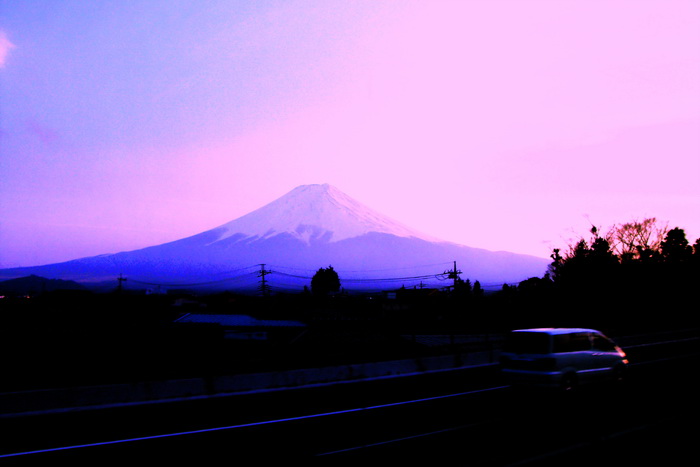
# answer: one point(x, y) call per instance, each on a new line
point(5, 47)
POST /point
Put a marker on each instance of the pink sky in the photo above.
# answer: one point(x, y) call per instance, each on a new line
point(506, 125)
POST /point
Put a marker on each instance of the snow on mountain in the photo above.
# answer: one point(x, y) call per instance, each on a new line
point(312, 226)
point(315, 213)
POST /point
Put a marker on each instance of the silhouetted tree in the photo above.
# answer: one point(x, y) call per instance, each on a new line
point(696, 252)
point(633, 239)
point(619, 277)
point(675, 247)
point(583, 264)
point(477, 290)
point(325, 281)
point(583, 279)
point(462, 288)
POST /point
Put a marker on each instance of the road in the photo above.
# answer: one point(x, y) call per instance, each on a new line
point(463, 417)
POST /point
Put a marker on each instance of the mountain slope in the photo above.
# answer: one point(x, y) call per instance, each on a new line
point(315, 213)
point(35, 284)
point(310, 227)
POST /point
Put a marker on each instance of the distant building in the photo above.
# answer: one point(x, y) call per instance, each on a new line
point(244, 327)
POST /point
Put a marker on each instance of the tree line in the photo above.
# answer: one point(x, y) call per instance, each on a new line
point(639, 274)
point(636, 272)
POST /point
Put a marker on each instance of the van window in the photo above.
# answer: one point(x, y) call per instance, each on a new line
point(575, 342)
point(602, 343)
point(527, 342)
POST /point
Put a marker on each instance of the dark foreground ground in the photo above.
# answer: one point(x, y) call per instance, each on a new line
point(77, 338)
point(461, 417)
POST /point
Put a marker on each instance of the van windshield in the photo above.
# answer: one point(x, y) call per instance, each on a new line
point(527, 342)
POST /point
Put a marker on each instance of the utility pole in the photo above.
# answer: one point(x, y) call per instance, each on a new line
point(454, 274)
point(264, 287)
point(120, 279)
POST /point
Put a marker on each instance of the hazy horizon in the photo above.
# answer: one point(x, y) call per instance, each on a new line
point(503, 125)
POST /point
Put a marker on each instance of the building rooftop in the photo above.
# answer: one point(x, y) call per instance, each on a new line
point(237, 321)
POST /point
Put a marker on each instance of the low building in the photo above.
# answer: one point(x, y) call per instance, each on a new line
point(245, 327)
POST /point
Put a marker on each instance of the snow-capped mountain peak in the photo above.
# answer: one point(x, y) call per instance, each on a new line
point(315, 212)
point(336, 229)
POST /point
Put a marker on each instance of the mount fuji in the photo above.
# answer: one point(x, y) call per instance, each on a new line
point(310, 227)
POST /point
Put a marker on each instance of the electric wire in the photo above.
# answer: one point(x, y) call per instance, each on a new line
point(278, 271)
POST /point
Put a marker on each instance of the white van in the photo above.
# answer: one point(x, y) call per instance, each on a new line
point(560, 357)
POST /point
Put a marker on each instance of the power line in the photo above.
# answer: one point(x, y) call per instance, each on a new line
point(376, 279)
point(417, 266)
point(189, 284)
point(265, 286)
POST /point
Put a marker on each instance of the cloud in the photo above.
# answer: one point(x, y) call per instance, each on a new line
point(5, 47)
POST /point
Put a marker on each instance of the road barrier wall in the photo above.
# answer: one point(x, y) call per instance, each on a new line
point(24, 403)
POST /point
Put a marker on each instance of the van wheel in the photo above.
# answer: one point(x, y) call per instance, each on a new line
point(569, 382)
point(620, 374)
